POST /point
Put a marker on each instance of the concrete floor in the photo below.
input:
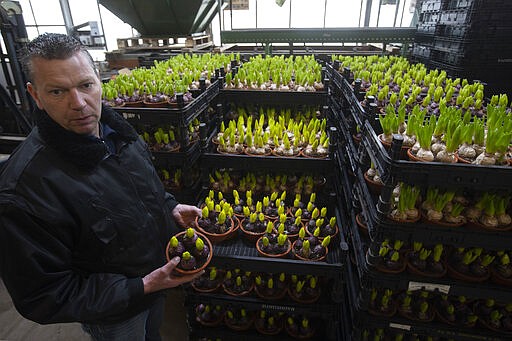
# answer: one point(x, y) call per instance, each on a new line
point(13, 327)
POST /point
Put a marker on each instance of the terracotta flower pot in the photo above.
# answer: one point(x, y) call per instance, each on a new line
point(321, 237)
point(204, 285)
point(374, 186)
point(296, 334)
point(161, 104)
point(216, 318)
point(303, 297)
point(441, 222)
point(136, 104)
point(238, 325)
point(361, 223)
point(200, 266)
point(297, 255)
point(219, 237)
point(259, 244)
point(233, 292)
point(261, 326)
point(250, 235)
point(453, 273)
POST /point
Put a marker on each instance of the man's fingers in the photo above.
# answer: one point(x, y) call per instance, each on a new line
point(187, 278)
point(169, 267)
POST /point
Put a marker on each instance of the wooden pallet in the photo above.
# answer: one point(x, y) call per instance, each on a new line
point(138, 43)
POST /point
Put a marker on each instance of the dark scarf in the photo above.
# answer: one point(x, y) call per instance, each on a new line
point(83, 151)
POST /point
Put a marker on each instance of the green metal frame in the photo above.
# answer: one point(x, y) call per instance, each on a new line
point(403, 35)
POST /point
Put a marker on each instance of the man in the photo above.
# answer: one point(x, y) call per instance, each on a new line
point(84, 218)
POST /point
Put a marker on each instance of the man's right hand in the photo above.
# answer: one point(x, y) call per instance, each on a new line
point(163, 278)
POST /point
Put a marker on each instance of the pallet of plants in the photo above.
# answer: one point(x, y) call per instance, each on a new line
point(311, 293)
point(378, 81)
point(430, 214)
point(425, 310)
point(240, 248)
point(234, 319)
point(158, 86)
point(276, 133)
point(234, 183)
point(404, 264)
point(287, 76)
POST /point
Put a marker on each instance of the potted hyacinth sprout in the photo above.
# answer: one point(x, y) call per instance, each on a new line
point(304, 289)
point(275, 245)
point(193, 248)
point(405, 209)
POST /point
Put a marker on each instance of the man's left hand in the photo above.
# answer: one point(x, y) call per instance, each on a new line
point(185, 215)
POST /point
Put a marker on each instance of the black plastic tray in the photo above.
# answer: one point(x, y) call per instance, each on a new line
point(324, 307)
point(238, 253)
point(277, 98)
point(181, 117)
point(199, 332)
point(363, 320)
point(435, 173)
point(381, 228)
point(216, 160)
point(372, 278)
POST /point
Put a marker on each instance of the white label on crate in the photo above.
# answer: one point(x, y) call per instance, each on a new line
point(400, 326)
point(442, 288)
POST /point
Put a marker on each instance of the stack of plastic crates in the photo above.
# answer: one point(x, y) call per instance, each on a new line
point(467, 38)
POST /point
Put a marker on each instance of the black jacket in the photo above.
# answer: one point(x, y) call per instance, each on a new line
point(79, 228)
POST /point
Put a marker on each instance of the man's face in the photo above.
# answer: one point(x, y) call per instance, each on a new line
point(69, 91)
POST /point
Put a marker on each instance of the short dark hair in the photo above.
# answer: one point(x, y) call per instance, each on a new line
point(51, 46)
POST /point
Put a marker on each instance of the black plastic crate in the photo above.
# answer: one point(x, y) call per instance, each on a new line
point(430, 17)
point(426, 29)
point(324, 307)
point(455, 17)
point(430, 6)
point(454, 31)
point(238, 253)
point(421, 51)
point(327, 330)
point(448, 57)
point(181, 117)
point(457, 4)
point(270, 97)
point(369, 277)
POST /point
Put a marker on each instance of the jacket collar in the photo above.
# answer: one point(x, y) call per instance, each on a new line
point(80, 150)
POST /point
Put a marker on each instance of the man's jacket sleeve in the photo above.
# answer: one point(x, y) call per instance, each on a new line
point(43, 283)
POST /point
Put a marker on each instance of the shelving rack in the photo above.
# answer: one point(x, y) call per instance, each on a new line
point(363, 275)
point(238, 253)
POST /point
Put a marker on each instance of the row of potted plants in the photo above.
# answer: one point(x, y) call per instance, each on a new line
point(452, 136)
point(268, 286)
point(395, 80)
point(261, 183)
point(437, 261)
point(391, 334)
point(480, 211)
point(265, 322)
point(293, 73)
point(426, 306)
point(303, 230)
point(405, 97)
point(276, 134)
point(486, 210)
point(167, 82)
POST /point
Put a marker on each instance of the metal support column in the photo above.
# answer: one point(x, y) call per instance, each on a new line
point(66, 14)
